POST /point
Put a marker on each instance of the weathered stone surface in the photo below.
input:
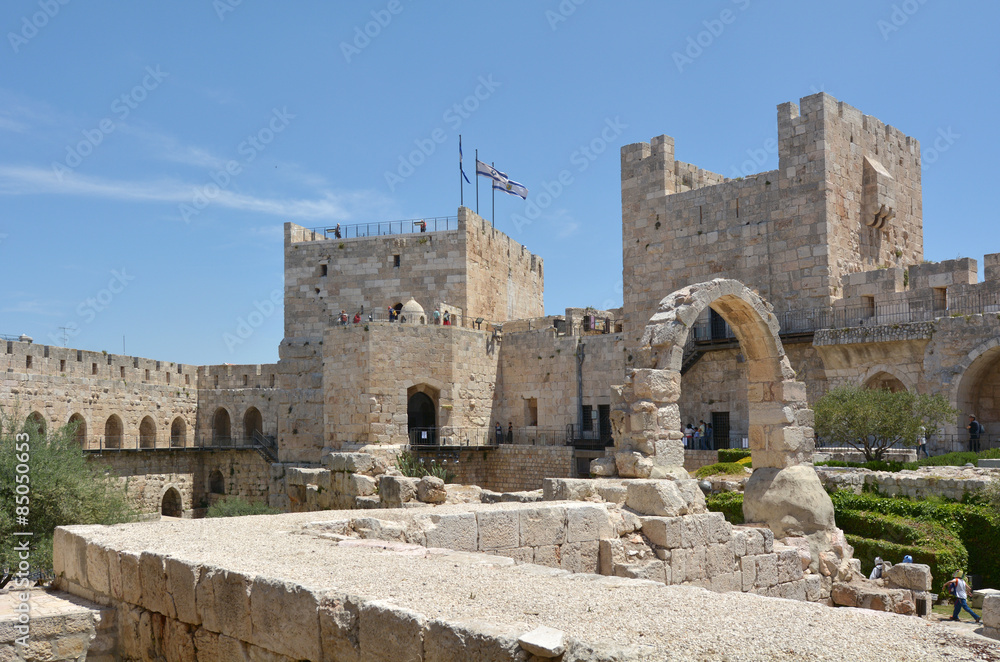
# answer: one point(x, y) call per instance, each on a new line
point(633, 465)
point(388, 632)
point(603, 466)
point(790, 501)
point(394, 491)
point(349, 462)
point(665, 498)
point(285, 618)
point(914, 576)
point(430, 489)
point(544, 642)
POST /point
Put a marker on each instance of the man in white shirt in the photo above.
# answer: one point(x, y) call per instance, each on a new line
point(961, 594)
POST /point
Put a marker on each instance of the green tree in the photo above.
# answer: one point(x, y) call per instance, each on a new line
point(45, 482)
point(875, 420)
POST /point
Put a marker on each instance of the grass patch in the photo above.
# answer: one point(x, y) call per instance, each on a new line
point(733, 454)
point(238, 507)
point(725, 468)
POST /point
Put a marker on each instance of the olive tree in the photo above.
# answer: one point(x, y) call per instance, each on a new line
point(875, 420)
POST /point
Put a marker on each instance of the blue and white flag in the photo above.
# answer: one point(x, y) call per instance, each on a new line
point(513, 188)
point(486, 170)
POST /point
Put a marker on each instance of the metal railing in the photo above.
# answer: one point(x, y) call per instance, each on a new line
point(116, 443)
point(384, 228)
point(937, 444)
point(902, 311)
point(357, 317)
point(719, 442)
point(476, 437)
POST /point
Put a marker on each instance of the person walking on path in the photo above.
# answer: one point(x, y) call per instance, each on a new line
point(975, 429)
point(960, 591)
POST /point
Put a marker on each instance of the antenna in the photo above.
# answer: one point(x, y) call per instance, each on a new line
point(65, 334)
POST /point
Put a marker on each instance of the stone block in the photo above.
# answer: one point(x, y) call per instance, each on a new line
point(543, 526)
point(603, 466)
point(581, 556)
point(338, 627)
point(359, 485)
point(543, 641)
point(372, 528)
point(285, 618)
point(913, 576)
point(131, 578)
point(394, 491)
point(97, 569)
point(458, 531)
point(223, 600)
point(719, 559)
point(548, 555)
point(656, 497)
point(633, 465)
point(586, 522)
point(182, 582)
point(789, 565)
point(387, 632)
point(349, 462)
point(154, 585)
point(663, 532)
point(653, 570)
point(430, 489)
point(498, 529)
point(991, 612)
point(767, 570)
point(611, 552)
point(446, 641)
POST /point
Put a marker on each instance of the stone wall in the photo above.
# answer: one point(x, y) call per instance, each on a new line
point(149, 474)
point(791, 233)
point(236, 389)
point(953, 483)
point(61, 628)
point(60, 383)
point(513, 468)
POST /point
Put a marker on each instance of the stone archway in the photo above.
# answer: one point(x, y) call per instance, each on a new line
point(975, 391)
point(37, 421)
point(147, 433)
point(216, 482)
point(252, 422)
point(171, 504)
point(421, 414)
point(221, 427)
point(885, 377)
point(113, 429)
point(178, 432)
point(80, 434)
point(784, 491)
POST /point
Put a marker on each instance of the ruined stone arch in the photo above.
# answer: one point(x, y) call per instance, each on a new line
point(178, 432)
point(252, 422)
point(147, 432)
point(222, 429)
point(171, 503)
point(784, 491)
point(886, 376)
point(37, 420)
point(216, 482)
point(80, 436)
point(978, 379)
point(113, 430)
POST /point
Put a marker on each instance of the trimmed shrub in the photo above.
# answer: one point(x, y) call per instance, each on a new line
point(238, 507)
point(727, 468)
point(733, 454)
point(729, 504)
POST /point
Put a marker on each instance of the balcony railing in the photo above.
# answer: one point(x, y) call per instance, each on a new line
point(383, 228)
point(476, 437)
point(115, 443)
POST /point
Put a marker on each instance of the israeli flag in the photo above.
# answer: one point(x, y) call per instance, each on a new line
point(486, 170)
point(512, 187)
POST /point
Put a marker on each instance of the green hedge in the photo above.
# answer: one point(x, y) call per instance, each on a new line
point(728, 468)
point(733, 454)
point(729, 504)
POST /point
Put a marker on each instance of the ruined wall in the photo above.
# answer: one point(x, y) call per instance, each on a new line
point(369, 368)
point(149, 474)
point(58, 383)
point(513, 468)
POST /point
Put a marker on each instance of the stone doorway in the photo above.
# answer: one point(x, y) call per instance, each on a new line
point(421, 415)
point(170, 505)
point(252, 422)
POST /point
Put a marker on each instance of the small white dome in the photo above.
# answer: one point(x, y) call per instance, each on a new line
point(412, 312)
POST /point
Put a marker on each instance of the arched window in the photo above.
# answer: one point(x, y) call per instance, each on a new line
point(80, 435)
point(178, 432)
point(147, 433)
point(171, 505)
point(252, 422)
point(216, 483)
point(113, 432)
point(221, 427)
point(37, 421)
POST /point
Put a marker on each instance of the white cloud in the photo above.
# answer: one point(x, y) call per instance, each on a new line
point(328, 205)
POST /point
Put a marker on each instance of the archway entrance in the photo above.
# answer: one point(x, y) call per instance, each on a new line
point(178, 432)
point(113, 432)
point(37, 421)
point(978, 393)
point(147, 433)
point(221, 427)
point(421, 415)
point(216, 482)
point(170, 505)
point(252, 422)
point(80, 435)
point(884, 380)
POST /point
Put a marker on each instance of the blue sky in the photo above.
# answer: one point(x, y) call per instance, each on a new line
point(118, 120)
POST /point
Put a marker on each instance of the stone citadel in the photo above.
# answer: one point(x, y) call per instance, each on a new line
point(833, 239)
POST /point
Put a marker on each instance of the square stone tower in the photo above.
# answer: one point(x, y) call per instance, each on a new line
point(845, 198)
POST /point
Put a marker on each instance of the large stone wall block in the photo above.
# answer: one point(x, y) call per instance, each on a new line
point(446, 641)
point(394, 491)
point(913, 576)
point(223, 600)
point(663, 532)
point(97, 568)
point(458, 531)
point(358, 463)
point(154, 585)
point(543, 526)
point(387, 632)
point(580, 557)
point(182, 583)
point(587, 522)
point(662, 386)
point(338, 627)
point(285, 618)
point(657, 497)
point(498, 529)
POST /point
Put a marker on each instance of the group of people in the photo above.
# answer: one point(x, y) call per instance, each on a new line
point(444, 320)
point(510, 433)
point(698, 438)
point(357, 316)
point(955, 587)
point(393, 315)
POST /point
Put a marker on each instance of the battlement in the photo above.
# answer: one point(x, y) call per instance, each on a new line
point(28, 358)
point(227, 376)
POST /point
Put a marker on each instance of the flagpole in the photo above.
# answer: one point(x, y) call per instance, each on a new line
point(461, 184)
point(493, 194)
point(477, 182)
